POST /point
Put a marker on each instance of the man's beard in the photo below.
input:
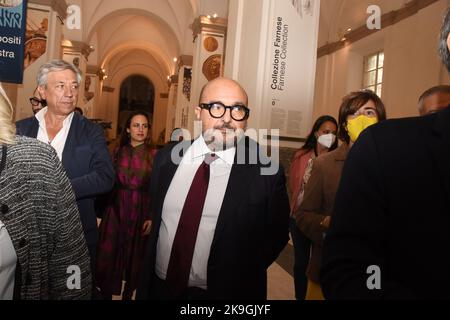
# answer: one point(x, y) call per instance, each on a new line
point(222, 137)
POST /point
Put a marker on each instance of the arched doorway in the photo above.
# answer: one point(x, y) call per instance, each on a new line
point(137, 93)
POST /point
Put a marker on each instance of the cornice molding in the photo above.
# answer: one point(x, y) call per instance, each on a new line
point(387, 20)
point(185, 60)
point(77, 47)
point(91, 69)
point(108, 89)
point(209, 24)
point(60, 6)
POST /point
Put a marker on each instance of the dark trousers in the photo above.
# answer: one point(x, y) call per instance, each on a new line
point(160, 291)
point(96, 295)
point(302, 247)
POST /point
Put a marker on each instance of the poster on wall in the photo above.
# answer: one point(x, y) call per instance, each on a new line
point(292, 48)
point(12, 39)
point(36, 35)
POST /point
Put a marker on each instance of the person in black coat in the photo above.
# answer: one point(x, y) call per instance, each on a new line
point(390, 238)
point(245, 220)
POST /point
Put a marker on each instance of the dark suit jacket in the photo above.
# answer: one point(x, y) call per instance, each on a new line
point(392, 210)
point(251, 230)
point(87, 163)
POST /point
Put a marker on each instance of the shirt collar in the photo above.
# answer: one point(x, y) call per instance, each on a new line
point(41, 114)
point(200, 149)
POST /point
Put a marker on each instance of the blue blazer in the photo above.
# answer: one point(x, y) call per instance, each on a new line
point(88, 165)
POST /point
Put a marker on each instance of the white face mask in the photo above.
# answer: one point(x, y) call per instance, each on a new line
point(327, 140)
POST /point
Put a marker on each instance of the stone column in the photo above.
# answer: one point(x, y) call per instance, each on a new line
point(171, 123)
point(209, 34)
point(77, 53)
point(45, 27)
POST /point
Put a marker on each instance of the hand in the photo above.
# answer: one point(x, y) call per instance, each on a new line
point(325, 223)
point(146, 227)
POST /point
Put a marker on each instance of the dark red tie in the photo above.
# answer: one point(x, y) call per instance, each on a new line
point(184, 243)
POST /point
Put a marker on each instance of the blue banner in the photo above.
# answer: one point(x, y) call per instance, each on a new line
point(12, 39)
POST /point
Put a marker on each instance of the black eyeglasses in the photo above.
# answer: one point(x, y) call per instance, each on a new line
point(217, 110)
point(35, 102)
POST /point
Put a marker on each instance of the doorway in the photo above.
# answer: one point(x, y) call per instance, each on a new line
point(137, 93)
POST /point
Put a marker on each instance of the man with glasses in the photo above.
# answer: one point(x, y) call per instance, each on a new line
point(36, 102)
point(218, 223)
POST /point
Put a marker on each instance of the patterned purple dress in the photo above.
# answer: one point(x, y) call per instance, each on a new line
point(121, 245)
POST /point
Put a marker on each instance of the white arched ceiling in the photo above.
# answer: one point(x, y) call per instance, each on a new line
point(174, 15)
point(336, 16)
point(122, 58)
point(158, 27)
point(195, 7)
point(116, 55)
point(122, 28)
point(128, 30)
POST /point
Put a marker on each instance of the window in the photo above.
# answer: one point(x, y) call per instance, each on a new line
point(373, 72)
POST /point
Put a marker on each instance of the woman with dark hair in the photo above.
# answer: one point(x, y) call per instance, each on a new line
point(127, 220)
point(358, 111)
point(321, 140)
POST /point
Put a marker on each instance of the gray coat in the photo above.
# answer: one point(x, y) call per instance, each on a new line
point(38, 208)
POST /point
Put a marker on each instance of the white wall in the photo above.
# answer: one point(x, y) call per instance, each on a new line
point(250, 60)
point(53, 51)
point(411, 65)
point(220, 7)
point(245, 41)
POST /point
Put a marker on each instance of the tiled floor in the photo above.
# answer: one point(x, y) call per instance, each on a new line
point(280, 282)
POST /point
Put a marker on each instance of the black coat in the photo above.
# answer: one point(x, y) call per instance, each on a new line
point(252, 229)
point(392, 210)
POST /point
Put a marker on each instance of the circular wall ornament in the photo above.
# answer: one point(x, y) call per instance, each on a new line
point(210, 44)
point(211, 67)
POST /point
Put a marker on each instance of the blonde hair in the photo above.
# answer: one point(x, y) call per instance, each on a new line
point(7, 127)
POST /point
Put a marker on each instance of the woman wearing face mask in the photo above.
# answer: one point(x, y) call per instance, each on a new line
point(126, 222)
point(358, 111)
point(321, 139)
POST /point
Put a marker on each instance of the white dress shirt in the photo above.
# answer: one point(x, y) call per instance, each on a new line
point(176, 195)
point(8, 261)
point(59, 141)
